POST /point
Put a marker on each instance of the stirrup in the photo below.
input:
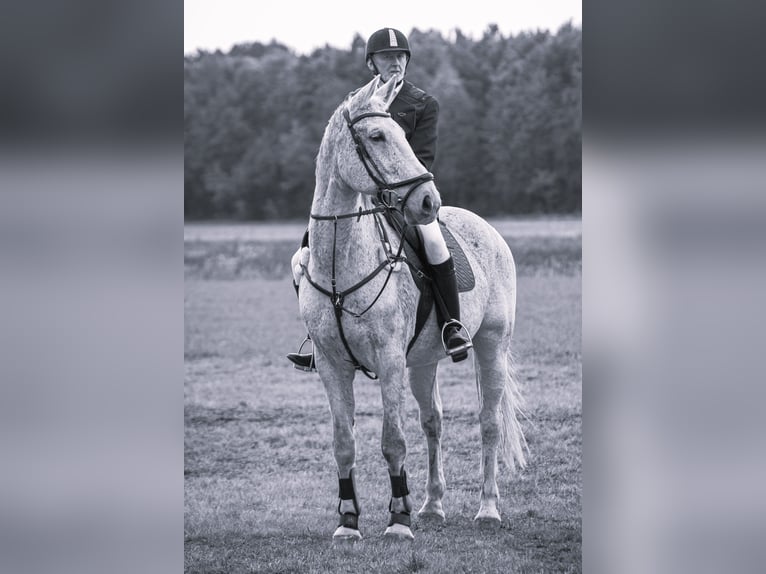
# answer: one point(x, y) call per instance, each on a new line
point(461, 351)
point(298, 359)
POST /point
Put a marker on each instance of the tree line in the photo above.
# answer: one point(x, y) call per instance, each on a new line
point(509, 125)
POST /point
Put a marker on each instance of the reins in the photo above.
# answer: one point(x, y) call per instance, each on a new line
point(388, 200)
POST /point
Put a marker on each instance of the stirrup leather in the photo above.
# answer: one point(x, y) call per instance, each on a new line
point(461, 348)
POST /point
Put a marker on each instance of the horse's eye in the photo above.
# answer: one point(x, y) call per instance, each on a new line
point(377, 136)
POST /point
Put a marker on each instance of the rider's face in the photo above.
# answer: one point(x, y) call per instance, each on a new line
point(390, 64)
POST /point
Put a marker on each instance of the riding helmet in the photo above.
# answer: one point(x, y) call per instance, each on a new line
point(387, 40)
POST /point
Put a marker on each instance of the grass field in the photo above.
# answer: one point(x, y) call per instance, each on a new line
point(260, 478)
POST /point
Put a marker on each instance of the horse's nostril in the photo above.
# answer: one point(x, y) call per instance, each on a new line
point(427, 204)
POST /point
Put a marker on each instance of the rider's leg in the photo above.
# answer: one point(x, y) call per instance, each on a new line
point(445, 285)
point(302, 361)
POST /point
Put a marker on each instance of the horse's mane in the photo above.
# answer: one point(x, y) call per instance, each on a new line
point(332, 131)
point(334, 126)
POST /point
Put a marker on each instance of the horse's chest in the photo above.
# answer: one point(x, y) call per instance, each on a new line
point(382, 311)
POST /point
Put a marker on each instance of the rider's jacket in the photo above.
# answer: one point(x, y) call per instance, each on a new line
point(418, 113)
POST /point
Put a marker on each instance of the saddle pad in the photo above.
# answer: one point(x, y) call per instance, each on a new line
point(463, 272)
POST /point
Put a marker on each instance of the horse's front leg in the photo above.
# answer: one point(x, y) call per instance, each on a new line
point(394, 448)
point(339, 387)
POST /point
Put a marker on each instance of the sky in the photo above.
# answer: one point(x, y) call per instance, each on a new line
point(305, 25)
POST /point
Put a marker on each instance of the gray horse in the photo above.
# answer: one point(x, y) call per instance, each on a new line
point(358, 301)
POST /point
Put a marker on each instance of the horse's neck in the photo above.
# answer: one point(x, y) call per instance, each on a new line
point(349, 240)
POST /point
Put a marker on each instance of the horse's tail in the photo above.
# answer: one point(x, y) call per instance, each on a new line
point(513, 444)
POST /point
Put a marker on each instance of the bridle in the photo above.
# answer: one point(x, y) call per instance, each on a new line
point(374, 171)
point(387, 199)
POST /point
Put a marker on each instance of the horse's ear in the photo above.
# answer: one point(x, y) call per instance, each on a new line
point(366, 92)
point(387, 91)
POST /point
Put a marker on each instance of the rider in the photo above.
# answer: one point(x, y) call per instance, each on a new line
point(388, 54)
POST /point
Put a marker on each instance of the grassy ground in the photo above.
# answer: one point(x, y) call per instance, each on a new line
point(260, 481)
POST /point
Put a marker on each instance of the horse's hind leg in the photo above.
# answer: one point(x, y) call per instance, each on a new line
point(425, 388)
point(489, 348)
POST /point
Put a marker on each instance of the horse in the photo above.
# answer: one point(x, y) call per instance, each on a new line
point(358, 301)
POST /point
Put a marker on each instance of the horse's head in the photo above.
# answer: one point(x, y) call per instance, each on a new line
point(373, 155)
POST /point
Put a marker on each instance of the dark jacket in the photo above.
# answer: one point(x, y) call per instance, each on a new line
point(418, 113)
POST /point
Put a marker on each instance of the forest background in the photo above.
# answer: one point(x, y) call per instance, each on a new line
point(509, 126)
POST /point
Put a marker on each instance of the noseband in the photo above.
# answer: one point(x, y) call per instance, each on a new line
point(386, 194)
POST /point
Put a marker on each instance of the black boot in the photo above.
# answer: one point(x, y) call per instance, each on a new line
point(456, 344)
point(302, 361)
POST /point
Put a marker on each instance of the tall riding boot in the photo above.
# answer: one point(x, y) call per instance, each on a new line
point(445, 286)
point(302, 361)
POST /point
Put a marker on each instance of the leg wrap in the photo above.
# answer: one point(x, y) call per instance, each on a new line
point(399, 490)
point(400, 518)
point(349, 520)
point(399, 485)
point(346, 492)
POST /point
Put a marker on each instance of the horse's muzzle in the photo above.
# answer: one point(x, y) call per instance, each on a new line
point(423, 206)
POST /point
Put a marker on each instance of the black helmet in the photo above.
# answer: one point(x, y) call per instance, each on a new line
point(387, 40)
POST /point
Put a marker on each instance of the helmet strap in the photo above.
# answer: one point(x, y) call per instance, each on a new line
point(375, 71)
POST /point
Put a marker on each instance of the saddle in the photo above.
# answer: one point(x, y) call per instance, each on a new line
point(417, 263)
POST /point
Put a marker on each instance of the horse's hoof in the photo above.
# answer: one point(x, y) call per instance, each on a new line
point(431, 517)
point(344, 534)
point(398, 533)
point(431, 510)
point(487, 522)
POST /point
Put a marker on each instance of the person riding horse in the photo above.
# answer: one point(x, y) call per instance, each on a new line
point(388, 54)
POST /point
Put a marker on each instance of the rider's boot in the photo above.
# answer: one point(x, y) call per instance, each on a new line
point(456, 344)
point(302, 361)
